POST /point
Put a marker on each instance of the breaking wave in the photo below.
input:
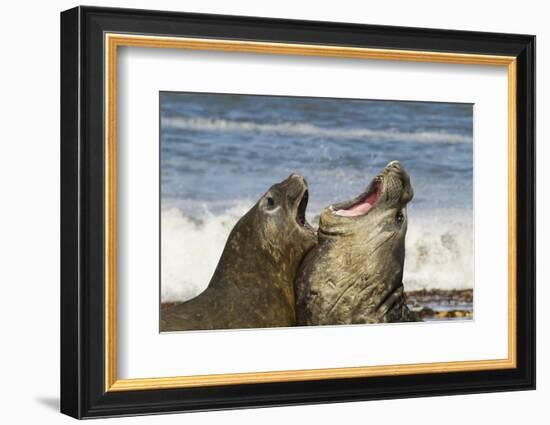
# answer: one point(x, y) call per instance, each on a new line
point(305, 129)
point(439, 250)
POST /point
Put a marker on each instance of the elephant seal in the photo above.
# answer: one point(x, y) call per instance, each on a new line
point(253, 284)
point(354, 274)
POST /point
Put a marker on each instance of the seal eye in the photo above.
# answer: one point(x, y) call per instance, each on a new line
point(399, 218)
point(270, 201)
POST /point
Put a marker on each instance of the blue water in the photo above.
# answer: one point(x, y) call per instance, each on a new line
point(219, 148)
point(220, 153)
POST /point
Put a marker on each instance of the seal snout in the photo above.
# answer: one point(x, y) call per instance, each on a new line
point(297, 176)
point(295, 185)
point(297, 180)
point(298, 195)
point(394, 170)
point(395, 167)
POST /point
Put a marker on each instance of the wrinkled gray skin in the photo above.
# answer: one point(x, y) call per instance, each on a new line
point(253, 284)
point(354, 274)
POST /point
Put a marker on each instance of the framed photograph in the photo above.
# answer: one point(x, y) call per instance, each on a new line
point(261, 212)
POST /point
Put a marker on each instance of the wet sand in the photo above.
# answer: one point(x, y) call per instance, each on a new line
point(440, 304)
point(432, 304)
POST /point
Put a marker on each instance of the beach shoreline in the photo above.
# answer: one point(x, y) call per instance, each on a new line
point(441, 304)
point(428, 304)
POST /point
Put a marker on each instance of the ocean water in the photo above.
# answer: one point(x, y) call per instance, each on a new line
point(220, 153)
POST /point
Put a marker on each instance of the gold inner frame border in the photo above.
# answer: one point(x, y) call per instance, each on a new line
point(112, 41)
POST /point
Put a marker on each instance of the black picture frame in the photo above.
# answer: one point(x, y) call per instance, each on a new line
point(83, 392)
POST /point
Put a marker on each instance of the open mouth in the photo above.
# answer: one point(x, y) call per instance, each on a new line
point(363, 204)
point(301, 210)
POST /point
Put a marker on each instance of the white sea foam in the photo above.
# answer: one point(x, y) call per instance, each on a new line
point(305, 129)
point(439, 250)
point(191, 248)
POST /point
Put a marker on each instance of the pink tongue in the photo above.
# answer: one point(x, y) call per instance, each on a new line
point(360, 208)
